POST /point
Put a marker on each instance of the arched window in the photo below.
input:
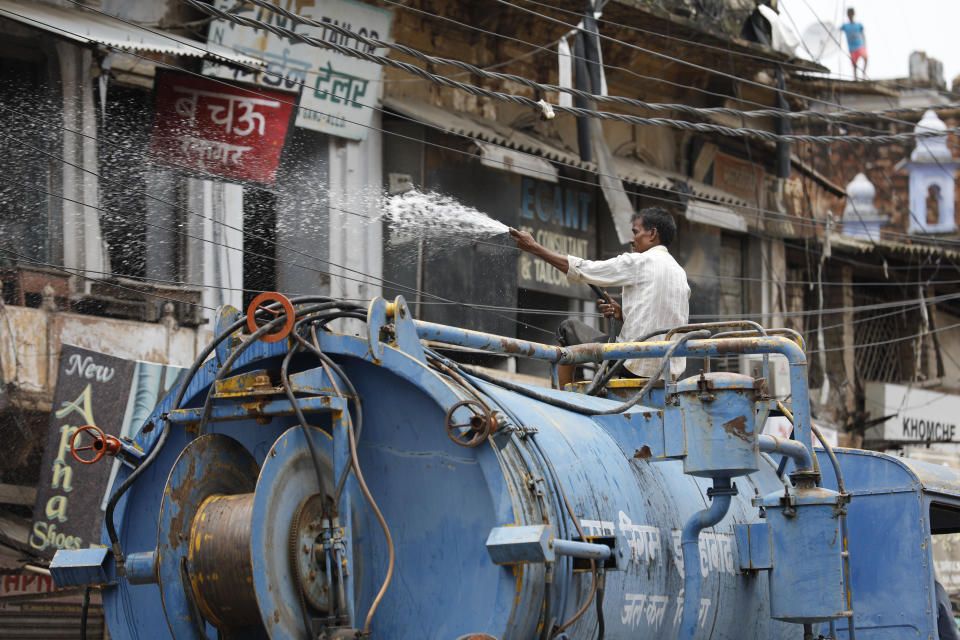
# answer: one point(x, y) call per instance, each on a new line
point(933, 204)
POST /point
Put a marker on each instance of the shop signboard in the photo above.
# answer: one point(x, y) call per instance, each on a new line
point(338, 92)
point(114, 394)
point(217, 128)
point(739, 177)
point(562, 218)
point(916, 415)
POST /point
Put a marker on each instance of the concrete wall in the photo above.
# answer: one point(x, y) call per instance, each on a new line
point(30, 341)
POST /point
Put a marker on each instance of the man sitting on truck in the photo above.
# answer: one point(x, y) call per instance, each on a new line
point(655, 290)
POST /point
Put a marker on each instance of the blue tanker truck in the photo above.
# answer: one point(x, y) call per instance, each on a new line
point(304, 483)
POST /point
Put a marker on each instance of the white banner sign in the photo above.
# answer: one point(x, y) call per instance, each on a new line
point(919, 415)
point(337, 92)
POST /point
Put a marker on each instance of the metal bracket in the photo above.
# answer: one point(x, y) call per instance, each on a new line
point(377, 321)
point(392, 323)
point(722, 491)
point(227, 315)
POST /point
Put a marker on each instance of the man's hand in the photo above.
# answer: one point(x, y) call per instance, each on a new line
point(610, 308)
point(524, 240)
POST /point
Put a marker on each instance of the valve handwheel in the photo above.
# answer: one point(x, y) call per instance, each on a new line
point(259, 304)
point(479, 427)
point(102, 444)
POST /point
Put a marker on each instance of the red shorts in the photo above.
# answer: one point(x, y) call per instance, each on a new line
point(859, 52)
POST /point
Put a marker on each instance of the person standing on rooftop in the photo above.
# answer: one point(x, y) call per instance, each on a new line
point(856, 43)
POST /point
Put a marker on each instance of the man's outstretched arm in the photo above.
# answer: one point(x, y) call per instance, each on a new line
point(525, 242)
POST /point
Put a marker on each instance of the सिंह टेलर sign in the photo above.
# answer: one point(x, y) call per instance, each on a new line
point(338, 92)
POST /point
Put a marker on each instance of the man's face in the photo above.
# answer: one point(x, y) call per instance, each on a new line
point(850, 15)
point(644, 239)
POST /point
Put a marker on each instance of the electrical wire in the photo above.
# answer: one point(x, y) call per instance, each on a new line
point(606, 66)
point(807, 223)
point(446, 81)
point(672, 59)
point(536, 86)
point(854, 347)
point(213, 242)
point(657, 34)
point(460, 151)
point(871, 307)
point(364, 125)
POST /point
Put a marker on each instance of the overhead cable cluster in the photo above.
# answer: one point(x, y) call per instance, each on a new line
point(536, 105)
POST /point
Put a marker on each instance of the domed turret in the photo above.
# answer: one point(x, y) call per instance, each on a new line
point(933, 149)
point(861, 217)
point(931, 170)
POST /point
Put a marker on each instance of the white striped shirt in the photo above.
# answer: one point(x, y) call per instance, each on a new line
point(655, 296)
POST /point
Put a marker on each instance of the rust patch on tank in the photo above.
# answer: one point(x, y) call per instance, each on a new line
point(738, 428)
point(643, 453)
point(179, 527)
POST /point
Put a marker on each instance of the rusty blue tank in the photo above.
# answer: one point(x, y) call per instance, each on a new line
point(324, 485)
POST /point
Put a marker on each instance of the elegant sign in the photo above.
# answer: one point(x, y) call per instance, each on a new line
point(91, 389)
point(217, 128)
point(338, 91)
point(562, 219)
point(918, 415)
point(114, 394)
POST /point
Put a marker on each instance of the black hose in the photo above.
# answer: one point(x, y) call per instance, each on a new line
point(84, 613)
point(226, 367)
point(285, 381)
point(576, 408)
point(611, 320)
point(357, 404)
point(546, 629)
point(611, 367)
point(601, 586)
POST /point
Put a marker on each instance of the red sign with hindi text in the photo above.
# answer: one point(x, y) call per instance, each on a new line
point(220, 129)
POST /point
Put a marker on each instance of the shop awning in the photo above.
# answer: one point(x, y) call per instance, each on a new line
point(498, 157)
point(87, 26)
point(713, 204)
point(473, 126)
point(715, 215)
point(643, 174)
point(891, 247)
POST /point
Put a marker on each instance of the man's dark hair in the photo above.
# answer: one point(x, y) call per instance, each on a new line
point(660, 219)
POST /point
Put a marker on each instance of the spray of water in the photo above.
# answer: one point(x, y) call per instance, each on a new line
point(432, 216)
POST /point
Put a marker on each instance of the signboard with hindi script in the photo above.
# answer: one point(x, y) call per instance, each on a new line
point(338, 92)
point(116, 395)
point(219, 129)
